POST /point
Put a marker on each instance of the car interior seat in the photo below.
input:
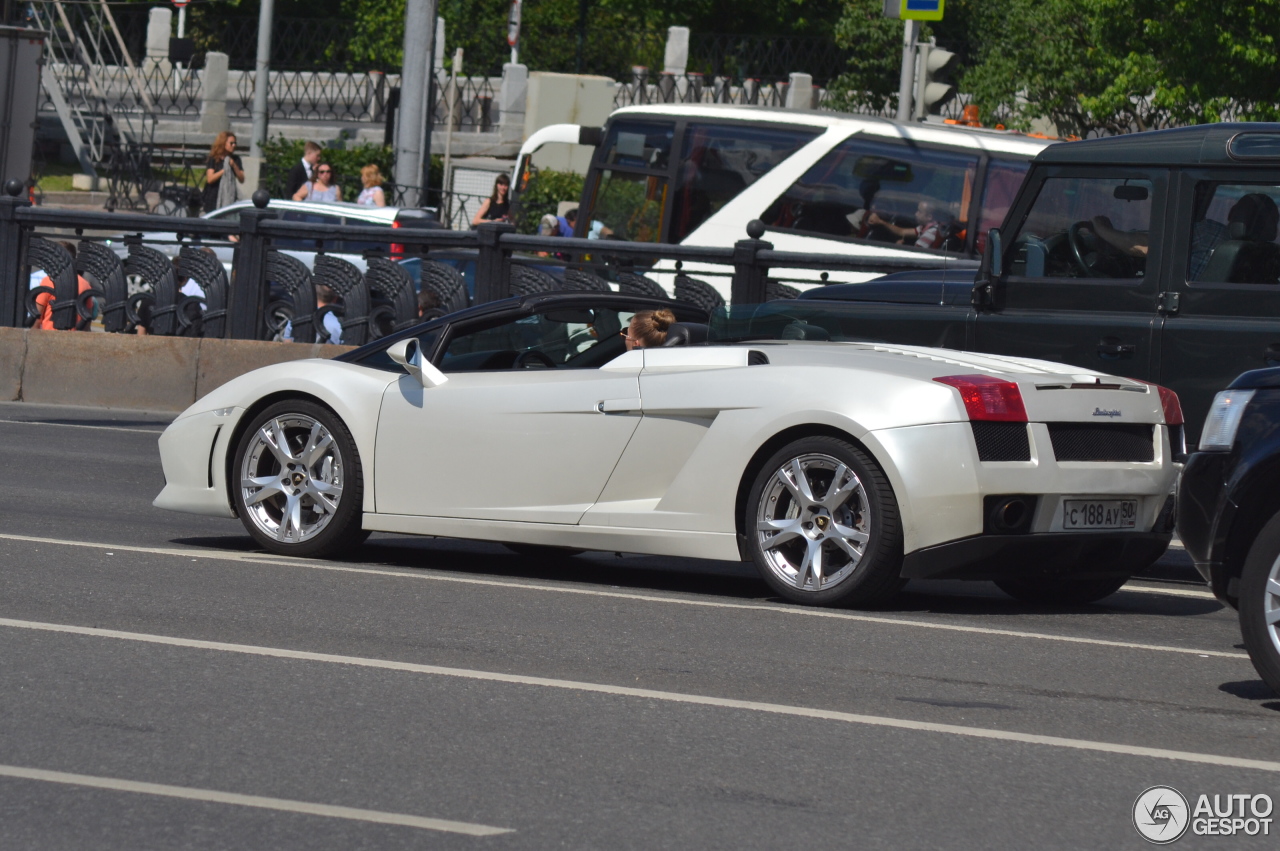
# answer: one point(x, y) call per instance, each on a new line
point(685, 334)
point(1241, 260)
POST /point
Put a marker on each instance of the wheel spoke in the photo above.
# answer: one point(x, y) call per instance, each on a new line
point(815, 564)
point(855, 555)
point(267, 486)
point(787, 529)
point(793, 476)
point(1273, 615)
point(836, 493)
point(1273, 587)
point(850, 532)
point(272, 435)
point(325, 495)
point(317, 444)
point(291, 518)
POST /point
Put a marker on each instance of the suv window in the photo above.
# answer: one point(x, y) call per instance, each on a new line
point(567, 337)
point(1085, 227)
point(1004, 178)
point(719, 161)
point(1233, 237)
point(882, 193)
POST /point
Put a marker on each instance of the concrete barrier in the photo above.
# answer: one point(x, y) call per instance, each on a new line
point(128, 371)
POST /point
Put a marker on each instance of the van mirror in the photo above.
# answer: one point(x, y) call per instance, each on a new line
point(408, 353)
point(995, 253)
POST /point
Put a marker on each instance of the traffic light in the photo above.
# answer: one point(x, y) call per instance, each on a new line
point(933, 68)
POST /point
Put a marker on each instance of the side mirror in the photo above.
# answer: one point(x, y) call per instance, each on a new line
point(990, 272)
point(995, 252)
point(408, 354)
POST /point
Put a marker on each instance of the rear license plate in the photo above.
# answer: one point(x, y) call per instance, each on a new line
point(1099, 513)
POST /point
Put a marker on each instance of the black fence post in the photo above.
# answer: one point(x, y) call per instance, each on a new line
point(748, 274)
point(493, 273)
point(13, 253)
point(249, 292)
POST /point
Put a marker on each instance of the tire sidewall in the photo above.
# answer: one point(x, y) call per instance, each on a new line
point(877, 576)
point(1253, 583)
point(345, 527)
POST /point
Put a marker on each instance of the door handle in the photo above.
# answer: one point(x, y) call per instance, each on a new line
point(1272, 354)
point(617, 406)
point(1110, 348)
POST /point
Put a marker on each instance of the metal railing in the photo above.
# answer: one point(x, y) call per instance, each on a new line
point(256, 273)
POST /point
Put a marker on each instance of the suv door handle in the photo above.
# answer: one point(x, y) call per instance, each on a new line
point(1110, 348)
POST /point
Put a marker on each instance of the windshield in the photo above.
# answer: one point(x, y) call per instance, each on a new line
point(789, 319)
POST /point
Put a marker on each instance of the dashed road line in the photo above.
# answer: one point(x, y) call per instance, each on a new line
point(214, 796)
point(795, 611)
point(665, 696)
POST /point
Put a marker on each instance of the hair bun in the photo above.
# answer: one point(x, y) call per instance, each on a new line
point(663, 318)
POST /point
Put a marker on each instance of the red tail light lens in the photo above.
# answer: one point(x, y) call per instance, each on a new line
point(987, 398)
point(397, 250)
point(1172, 407)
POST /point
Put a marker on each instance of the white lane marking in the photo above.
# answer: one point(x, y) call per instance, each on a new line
point(652, 694)
point(797, 611)
point(213, 796)
point(156, 432)
point(1172, 592)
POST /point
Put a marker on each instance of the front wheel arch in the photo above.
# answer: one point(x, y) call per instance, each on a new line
point(233, 440)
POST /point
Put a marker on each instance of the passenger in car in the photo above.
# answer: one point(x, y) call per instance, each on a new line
point(648, 329)
point(929, 232)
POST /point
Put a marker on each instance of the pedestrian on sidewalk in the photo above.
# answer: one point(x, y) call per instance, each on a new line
point(44, 301)
point(303, 170)
point(218, 193)
point(372, 194)
point(322, 188)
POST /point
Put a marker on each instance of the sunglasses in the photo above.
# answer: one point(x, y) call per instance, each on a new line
point(326, 171)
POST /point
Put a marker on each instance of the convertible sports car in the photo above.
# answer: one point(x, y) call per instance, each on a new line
point(840, 468)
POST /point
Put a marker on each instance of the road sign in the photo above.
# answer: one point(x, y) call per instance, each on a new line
point(914, 10)
point(180, 3)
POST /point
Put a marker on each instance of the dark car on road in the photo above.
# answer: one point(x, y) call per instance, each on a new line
point(1229, 510)
point(1153, 256)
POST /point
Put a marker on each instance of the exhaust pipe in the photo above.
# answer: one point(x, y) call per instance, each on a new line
point(1010, 515)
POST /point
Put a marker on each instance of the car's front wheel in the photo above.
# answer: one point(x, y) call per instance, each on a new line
point(1260, 603)
point(297, 481)
point(822, 525)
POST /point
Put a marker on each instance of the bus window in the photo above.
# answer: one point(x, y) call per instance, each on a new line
point(1004, 177)
point(638, 144)
point(887, 193)
point(628, 206)
point(719, 161)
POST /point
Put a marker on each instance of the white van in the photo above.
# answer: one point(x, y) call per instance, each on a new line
point(822, 182)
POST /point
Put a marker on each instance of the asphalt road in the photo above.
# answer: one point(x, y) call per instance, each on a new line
point(167, 685)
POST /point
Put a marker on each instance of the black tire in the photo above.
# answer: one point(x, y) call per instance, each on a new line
point(542, 551)
point(1061, 590)
point(309, 481)
point(1261, 639)
point(870, 511)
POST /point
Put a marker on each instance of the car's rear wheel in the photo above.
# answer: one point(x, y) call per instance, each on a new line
point(297, 481)
point(822, 525)
point(1061, 590)
point(1260, 603)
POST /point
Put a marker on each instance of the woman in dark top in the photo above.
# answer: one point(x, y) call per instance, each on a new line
point(497, 207)
point(219, 193)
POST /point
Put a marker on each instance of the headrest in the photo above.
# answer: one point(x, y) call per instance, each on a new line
point(804, 331)
point(1237, 230)
point(685, 334)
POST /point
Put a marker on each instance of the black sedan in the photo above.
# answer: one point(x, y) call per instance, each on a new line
point(1229, 510)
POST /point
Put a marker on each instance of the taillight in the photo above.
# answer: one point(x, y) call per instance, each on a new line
point(1172, 407)
point(397, 250)
point(987, 398)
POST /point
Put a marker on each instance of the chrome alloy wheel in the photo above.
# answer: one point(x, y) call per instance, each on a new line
point(291, 478)
point(1271, 605)
point(813, 522)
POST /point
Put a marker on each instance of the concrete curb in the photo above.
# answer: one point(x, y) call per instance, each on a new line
point(128, 371)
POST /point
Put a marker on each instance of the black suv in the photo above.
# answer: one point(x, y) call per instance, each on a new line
point(1229, 510)
point(1154, 256)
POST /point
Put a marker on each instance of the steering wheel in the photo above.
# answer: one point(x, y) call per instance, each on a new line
point(1080, 251)
point(532, 358)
